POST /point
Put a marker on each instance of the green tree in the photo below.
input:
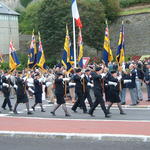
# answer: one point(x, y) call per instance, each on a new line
point(54, 15)
point(112, 8)
point(25, 2)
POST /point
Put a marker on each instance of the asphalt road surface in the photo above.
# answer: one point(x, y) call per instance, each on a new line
point(131, 113)
point(25, 143)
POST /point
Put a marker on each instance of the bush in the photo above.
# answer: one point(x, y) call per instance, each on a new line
point(4, 66)
point(128, 3)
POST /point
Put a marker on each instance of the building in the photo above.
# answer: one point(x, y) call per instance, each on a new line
point(9, 29)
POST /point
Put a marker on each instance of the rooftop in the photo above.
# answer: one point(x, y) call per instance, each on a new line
point(6, 10)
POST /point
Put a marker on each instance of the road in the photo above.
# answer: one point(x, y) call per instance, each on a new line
point(26, 143)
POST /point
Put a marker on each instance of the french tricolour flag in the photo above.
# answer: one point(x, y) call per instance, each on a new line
point(75, 13)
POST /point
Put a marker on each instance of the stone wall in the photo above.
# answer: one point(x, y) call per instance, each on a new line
point(137, 34)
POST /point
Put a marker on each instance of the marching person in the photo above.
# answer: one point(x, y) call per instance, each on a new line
point(21, 93)
point(87, 86)
point(79, 91)
point(38, 92)
point(6, 87)
point(60, 93)
point(113, 92)
point(98, 92)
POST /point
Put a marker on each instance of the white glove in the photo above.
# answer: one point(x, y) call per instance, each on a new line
point(40, 80)
point(66, 79)
point(82, 76)
point(8, 76)
point(72, 84)
point(48, 84)
point(103, 75)
point(24, 78)
point(15, 86)
point(32, 91)
point(119, 78)
point(90, 84)
point(127, 81)
point(5, 85)
point(112, 83)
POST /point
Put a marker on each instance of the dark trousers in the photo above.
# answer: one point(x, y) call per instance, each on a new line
point(88, 96)
point(99, 100)
point(79, 102)
point(7, 101)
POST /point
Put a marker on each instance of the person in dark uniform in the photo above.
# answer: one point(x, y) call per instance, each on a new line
point(147, 80)
point(98, 92)
point(38, 92)
point(21, 93)
point(79, 91)
point(60, 93)
point(6, 86)
point(113, 92)
point(87, 86)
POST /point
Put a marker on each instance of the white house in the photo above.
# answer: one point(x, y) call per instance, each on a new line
point(9, 29)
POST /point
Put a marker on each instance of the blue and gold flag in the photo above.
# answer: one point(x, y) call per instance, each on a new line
point(80, 45)
point(107, 52)
point(32, 53)
point(120, 57)
point(66, 57)
point(13, 59)
point(1, 58)
point(40, 55)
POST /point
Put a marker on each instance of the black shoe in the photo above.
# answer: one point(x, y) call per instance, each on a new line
point(85, 112)
point(43, 110)
point(33, 108)
point(4, 108)
point(122, 113)
point(91, 114)
point(123, 103)
point(67, 115)
point(15, 112)
point(29, 113)
point(74, 110)
point(109, 112)
point(107, 116)
point(53, 113)
point(10, 109)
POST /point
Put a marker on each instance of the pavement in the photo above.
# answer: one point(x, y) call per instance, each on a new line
point(134, 126)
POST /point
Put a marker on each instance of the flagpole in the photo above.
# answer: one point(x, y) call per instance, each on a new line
point(74, 44)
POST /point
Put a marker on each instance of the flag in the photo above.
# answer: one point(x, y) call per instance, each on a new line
point(107, 52)
point(120, 58)
point(71, 55)
point(1, 58)
point(40, 55)
point(13, 59)
point(32, 53)
point(80, 45)
point(66, 57)
point(75, 14)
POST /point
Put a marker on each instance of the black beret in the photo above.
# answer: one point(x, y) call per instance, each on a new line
point(78, 70)
point(98, 68)
point(87, 70)
point(113, 71)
